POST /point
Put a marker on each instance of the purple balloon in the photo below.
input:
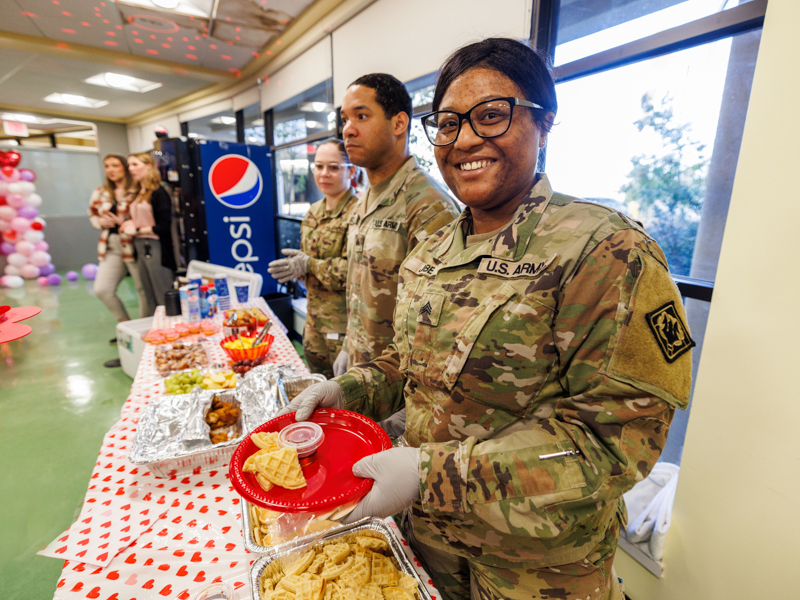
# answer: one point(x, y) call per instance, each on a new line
point(72, 276)
point(28, 212)
point(6, 248)
point(54, 279)
point(27, 175)
point(47, 269)
point(89, 270)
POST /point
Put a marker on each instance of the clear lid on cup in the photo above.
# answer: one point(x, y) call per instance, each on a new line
point(304, 436)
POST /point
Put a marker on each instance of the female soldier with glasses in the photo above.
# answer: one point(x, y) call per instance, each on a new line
point(322, 260)
point(540, 350)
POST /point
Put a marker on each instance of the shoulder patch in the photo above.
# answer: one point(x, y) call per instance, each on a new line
point(670, 331)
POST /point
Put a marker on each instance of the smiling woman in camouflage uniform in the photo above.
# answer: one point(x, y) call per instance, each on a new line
point(322, 259)
point(540, 350)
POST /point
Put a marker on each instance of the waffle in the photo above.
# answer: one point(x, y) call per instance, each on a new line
point(282, 468)
point(289, 583)
point(357, 575)
point(265, 483)
point(309, 587)
point(331, 570)
point(408, 584)
point(372, 543)
point(301, 564)
point(249, 465)
point(266, 441)
point(279, 595)
point(396, 593)
point(316, 565)
point(383, 571)
point(337, 552)
point(371, 591)
point(332, 591)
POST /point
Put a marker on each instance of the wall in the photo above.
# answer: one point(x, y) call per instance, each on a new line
point(735, 532)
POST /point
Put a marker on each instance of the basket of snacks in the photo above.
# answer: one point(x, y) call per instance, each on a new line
point(242, 347)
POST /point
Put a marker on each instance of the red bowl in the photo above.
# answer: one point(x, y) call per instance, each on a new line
point(250, 353)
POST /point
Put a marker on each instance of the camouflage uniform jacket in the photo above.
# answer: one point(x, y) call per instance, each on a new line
point(412, 207)
point(323, 237)
point(540, 370)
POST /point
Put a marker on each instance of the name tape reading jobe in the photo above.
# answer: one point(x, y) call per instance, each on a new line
point(236, 182)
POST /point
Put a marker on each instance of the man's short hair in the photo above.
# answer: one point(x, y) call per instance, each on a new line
point(390, 93)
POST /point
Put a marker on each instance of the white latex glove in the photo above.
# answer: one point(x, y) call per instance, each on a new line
point(395, 426)
point(340, 364)
point(326, 394)
point(396, 475)
point(292, 267)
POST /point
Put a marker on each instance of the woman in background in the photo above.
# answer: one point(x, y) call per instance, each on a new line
point(108, 209)
point(322, 260)
point(150, 225)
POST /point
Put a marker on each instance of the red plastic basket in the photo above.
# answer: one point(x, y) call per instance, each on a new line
point(250, 353)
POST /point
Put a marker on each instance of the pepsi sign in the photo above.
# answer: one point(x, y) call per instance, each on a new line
point(235, 181)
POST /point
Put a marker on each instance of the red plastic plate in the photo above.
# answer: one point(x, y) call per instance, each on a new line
point(349, 437)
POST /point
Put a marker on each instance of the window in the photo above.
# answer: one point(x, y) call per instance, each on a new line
point(297, 190)
point(421, 91)
point(653, 96)
point(308, 114)
point(254, 125)
point(220, 127)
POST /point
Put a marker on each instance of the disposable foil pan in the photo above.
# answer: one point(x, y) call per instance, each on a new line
point(172, 436)
point(370, 523)
point(291, 386)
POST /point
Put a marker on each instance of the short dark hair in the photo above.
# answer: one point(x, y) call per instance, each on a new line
point(390, 93)
point(528, 68)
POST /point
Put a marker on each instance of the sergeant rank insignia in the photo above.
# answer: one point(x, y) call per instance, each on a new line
point(426, 310)
point(670, 332)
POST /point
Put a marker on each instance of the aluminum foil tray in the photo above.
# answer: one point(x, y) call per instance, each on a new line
point(291, 386)
point(371, 523)
point(172, 437)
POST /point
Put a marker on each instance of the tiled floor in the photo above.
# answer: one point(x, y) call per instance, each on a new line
point(56, 403)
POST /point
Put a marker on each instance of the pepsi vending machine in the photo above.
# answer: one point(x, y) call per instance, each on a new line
point(224, 203)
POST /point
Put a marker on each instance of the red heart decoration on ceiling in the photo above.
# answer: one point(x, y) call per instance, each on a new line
point(9, 158)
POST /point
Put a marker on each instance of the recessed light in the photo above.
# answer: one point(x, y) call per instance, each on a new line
point(168, 4)
point(75, 100)
point(315, 107)
point(123, 82)
point(313, 124)
point(224, 120)
point(19, 117)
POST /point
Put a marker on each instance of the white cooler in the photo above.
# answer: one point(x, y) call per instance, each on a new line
point(130, 343)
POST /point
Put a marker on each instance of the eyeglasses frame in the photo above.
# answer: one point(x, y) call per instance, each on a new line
point(326, 167)
point(512, 100)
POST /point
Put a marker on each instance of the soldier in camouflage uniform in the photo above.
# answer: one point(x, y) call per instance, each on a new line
point(322, 259)
point(402, 207)
point(540, 361)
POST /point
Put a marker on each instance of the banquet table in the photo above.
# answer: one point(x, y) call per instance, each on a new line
point(142, 537)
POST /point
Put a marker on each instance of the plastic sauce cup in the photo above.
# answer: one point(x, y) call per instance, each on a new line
point(305, 437)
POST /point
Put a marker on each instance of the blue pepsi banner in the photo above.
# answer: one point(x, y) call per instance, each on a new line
point(240, 219)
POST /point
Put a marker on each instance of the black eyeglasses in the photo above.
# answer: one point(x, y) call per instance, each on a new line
point(488, 119)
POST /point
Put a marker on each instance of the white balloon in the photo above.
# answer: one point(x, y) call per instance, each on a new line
point(17, 260)
point(34, 236)
point(15, 187)
point(3, 188)
point(34, 200)
point(26, 187)
point(13, 281)
point(11, 270)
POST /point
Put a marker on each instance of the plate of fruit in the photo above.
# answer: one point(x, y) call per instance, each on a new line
point(211, 379)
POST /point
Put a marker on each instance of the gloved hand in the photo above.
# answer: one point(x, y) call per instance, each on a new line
point(395, 426)
point(340, 364)
point(292, 267)
point(396, 475)
point(326, 394)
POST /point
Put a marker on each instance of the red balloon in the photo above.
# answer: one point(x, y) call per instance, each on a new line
point(38, 226)
point(10, 235)
point(9, 158)
point(2, 200)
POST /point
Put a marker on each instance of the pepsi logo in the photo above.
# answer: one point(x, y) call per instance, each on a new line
point(235, 181)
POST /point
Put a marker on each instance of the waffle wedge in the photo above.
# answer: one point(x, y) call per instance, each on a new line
point(249, 465)
point(309, 587)
point(301, 564)
point(332, 591)
point(282, 468)
point(371, 591)
point(372, 543)
point(265, 483)
point(332, 570)
point(383, 571)
point(266, 441)
point(408, 584)
point(337, 552)
point(396, 593)
point(358, 575)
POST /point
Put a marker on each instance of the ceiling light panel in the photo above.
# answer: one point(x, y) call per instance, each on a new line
point(198, 8)
point(75, 100)
point(127, 83)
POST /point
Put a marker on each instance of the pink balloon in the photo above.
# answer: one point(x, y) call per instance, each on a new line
point(29, 271)
point(15, 200)
point(3, 188)
point(7, 174)
point(43, 246)
point(15, 259)
point(20, 224)
point(40, 258)
point(24, 247)
point(7, 213)
point(42, 281)
point(4, 225)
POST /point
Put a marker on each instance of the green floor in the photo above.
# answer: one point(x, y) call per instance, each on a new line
point(56, 403)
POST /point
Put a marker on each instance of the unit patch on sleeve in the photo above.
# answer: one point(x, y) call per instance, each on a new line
point(670, 332)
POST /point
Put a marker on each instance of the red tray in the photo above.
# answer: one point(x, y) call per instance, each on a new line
point(349, 437)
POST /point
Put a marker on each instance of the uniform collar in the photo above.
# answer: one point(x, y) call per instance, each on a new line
point(389, 195)
point(340, 206)
point(510, 243)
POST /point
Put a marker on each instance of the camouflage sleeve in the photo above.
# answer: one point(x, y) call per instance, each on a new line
point(609, 428)
point(428, 209)
point(374, 389)
point(331, 272)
